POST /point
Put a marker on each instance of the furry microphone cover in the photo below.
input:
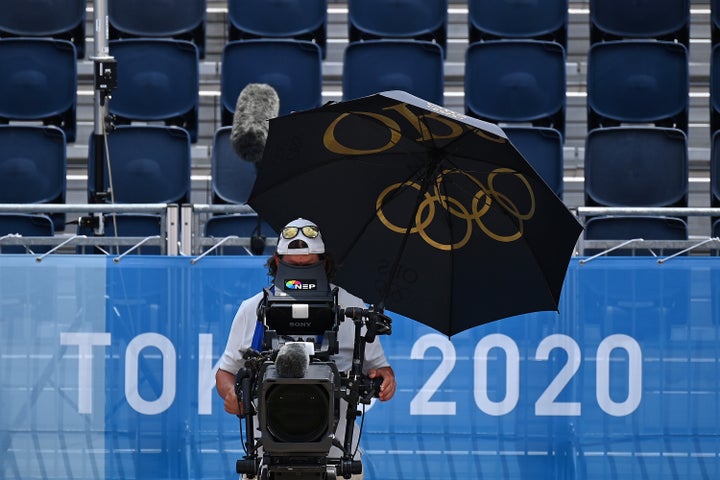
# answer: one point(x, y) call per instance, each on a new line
point(256, 105)
point(292, 361)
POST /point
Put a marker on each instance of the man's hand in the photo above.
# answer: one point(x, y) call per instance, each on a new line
point(225, 384)
point(388, 386)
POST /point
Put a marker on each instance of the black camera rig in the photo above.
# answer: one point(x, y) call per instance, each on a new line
point(296, 397)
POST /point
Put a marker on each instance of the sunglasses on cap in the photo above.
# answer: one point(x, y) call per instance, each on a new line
point(310, 231)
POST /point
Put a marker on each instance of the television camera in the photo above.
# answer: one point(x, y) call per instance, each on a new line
point(293, 387)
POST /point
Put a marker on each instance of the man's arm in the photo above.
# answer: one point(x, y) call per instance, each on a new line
point(225, 385)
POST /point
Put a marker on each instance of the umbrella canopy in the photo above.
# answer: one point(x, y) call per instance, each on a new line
point(429, 213)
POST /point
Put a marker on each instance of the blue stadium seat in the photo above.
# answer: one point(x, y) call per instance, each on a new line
point(27, 225)
point(292, 67)
point(505, 19)
point(640, 19)
point(178, 19)
point(298, 19)
point(636, 167)
point(241, 225)
point(628, 227)
point(715, 170)
point(148, 163)
point(158, 81)
point(409, 19)
point(715, 21)
point(715, 89)
point(232, 177)
point(638, 81)
point(33, 166)
point(232, 180)
point(516, 81)
point(543, 148)
point(39, 82)
point(414, 66)
point(62, 19)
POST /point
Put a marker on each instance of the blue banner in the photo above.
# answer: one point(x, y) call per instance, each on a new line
point(107, 372)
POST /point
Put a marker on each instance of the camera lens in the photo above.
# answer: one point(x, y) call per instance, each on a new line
point(297, 412)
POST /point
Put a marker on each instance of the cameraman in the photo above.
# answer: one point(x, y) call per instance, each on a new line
point(300, 243)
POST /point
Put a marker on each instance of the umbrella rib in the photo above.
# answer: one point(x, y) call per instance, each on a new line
point(428, 178)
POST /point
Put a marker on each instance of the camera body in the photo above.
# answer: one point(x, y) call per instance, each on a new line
point(294, 385)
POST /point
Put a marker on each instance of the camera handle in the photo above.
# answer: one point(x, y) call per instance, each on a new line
point(350, 465)
point(244, 380)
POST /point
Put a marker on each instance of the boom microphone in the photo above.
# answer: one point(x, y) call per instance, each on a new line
point(256, 105)
point(292, 361)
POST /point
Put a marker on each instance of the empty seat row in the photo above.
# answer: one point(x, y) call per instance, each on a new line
point(151, 164)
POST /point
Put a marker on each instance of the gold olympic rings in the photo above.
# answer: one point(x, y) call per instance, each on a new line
point(481, 203)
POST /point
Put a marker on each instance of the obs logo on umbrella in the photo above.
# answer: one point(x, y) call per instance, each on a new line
point(493, 212)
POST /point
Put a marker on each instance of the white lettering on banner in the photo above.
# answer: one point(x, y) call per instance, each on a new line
point(512, 369)
point(421, 403)
point(602, 367)
point(206, 374)
point(85, 341)
point(546, 404)
point(132, 370)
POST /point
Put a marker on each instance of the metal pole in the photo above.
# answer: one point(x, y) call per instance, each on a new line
point(105, 80)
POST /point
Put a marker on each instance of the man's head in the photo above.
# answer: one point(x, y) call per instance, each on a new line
point(300, 237)
point(300, 243)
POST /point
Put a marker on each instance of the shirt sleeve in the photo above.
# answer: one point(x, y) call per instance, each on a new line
point(241, 335)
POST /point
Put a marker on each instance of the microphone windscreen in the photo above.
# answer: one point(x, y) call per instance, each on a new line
point(256, 105)
point(292, 361)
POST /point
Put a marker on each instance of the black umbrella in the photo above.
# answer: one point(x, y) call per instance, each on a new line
point(429, 213)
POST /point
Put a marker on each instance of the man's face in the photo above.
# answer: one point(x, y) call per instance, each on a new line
point(301, 260)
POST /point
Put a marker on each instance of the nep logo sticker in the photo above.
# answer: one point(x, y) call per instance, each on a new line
point(300, 284)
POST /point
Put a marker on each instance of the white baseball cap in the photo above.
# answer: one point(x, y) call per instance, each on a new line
point(308, 234)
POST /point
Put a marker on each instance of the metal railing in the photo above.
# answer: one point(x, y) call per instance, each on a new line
point(697, 245)
point(182, 230)
point(166, 239)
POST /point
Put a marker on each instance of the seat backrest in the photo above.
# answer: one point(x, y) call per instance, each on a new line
point(503, 19)
point(179, 19)
point(411, 19)
point(543, 149)
point(650, 19)
point(715, 89)
point(630, 227)
point(292, 67)
point(414, 66)
point(299, 19)
point(27, 225)
point(638, 81)
point(158, 80)
point(232, 177)
point(636, 167)
point(149, 164)
point(516, 81)
point(39, 82)
point(33, 164)
point(715, 21)
point(63, 19)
